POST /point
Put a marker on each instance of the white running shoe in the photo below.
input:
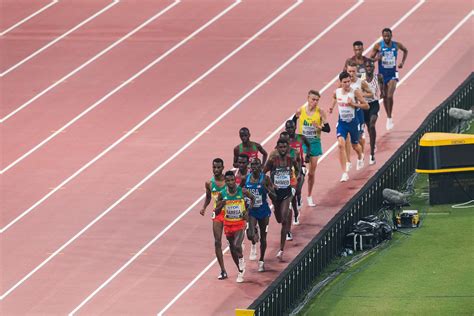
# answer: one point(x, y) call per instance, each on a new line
point(261, 266)
point(344, 177)
point(289, 236)
point(240, 277)
point(389, 124)
point(253, 252)
point(348, 166)
point(241, 264)
point(360, 164)
point(372, 160)
point(310, 201)
point(280, 255)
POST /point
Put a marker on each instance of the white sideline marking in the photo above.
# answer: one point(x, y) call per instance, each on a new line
point(262, 83)
point(28, 17)
point(236, 2)
point(63, 79)
point(470, 14)
point(114, 2)
point(122, 85)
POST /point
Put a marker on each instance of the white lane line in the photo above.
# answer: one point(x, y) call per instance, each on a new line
point(28, 17)
point(322, 157)
point(119, 87)
point(262, 83)
point(114, 2)
point(149, 117)
point(103, 52)
point(27, 276)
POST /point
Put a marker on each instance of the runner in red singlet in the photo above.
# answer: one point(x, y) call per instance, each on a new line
point(251, 149)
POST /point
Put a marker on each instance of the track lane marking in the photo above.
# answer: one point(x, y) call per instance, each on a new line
point(39, 51)
point(97, 56)
point(14, 26)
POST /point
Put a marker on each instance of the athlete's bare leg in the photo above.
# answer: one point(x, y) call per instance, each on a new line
point(263, 224)
point(388, 100)
point(348, 148)
point(313, 163)
point(282, 208)
point(358, 149)
point(341, 143)
point(372, 133)
point(251, 231)
point(217, 228)
point(235, 245)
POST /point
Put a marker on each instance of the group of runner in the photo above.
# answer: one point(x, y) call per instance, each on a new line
point(241, 198)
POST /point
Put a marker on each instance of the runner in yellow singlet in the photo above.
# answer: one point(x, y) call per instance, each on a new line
point(311, 121)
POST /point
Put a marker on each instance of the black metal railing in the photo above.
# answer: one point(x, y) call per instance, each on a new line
point(298, 277)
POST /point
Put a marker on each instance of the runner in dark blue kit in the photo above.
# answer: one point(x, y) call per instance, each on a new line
point(386, 52)
point(260, 186)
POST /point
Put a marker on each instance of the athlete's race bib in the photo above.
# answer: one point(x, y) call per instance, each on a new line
point(388, 60)
point(281, 179)
point(309, 131)
point(234, 209)
point(346, 113)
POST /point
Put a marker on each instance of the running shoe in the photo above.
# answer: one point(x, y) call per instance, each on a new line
point(222, 276)
point(280, 255)
point(261, 266)
point(310, 201)
point(253, 252)
point(240, 277)
point(241, 264)
point(344, 177)
point(389, 124)
point(289, 236)
point(360, 163)
point(372, 160)
point(296, 220)
point(348, 166)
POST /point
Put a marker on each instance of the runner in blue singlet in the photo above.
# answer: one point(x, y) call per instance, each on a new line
point(386, 52)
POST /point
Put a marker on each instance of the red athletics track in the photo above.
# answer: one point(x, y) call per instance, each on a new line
point(44, 28)
point(69, 53)
point(17, 12)
point(140, 289)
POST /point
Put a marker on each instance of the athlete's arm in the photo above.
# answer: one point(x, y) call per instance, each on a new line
point(366, 90)
point(267, 183)
point(334, 100)
point(361, 101)
point(250, 196)
point(375, 51)
point(381, 86)
point(207, 199)
point(326, 128)
point(219, 204)
point(236, 156)
point(405, 54)
point(297, 168)
point(263, 152)
point(268, 166)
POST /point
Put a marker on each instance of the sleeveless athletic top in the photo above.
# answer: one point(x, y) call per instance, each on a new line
point(297, 145)
point(306, 127)
point(238, 177)
point(389, 57)
point(374, 87)
point(346, 112)
point(357, 85)
point(253, 153)
point(215, 189)
point(258, 190)
point(234, 207)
